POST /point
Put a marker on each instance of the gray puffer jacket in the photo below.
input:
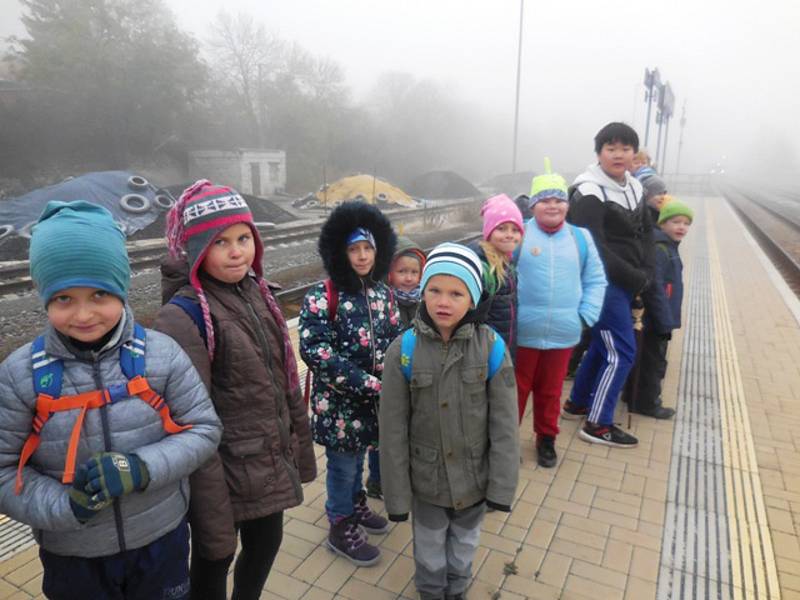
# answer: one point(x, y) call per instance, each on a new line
point(129, 425)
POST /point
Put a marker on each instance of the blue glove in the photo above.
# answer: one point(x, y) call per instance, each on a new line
point(113, 474)
point(79, 501)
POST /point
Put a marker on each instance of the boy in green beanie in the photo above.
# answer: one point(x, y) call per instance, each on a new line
point(663, 315)
point(102, 423)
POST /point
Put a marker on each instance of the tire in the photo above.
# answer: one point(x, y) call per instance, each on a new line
point(137, 182)
point(6, 230)
point(135, 203)
point(164, 201)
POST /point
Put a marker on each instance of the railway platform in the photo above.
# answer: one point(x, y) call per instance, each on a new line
point(707, 506)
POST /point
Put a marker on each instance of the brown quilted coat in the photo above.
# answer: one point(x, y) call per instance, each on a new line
point(266, 450)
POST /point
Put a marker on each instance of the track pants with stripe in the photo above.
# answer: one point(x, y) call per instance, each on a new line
point(606, 364)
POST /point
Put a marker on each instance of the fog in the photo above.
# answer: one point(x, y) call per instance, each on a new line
point(733, 64)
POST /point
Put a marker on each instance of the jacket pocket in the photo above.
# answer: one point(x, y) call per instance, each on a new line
point(479, 463)
point(475, 411)
point(424, 469)
point(249, 468)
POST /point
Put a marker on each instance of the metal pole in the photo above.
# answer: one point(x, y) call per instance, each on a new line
point(649, 107)
point(660, 121)
point(666, 137)
point(519, 74)
point(680, 140)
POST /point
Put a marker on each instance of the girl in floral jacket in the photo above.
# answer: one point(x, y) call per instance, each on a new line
point(344, 348)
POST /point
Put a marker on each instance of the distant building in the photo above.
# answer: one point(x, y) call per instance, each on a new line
point(257, 172)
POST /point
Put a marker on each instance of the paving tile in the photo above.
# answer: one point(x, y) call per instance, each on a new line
point(579, 586)
point(554, 569)
point(639, 589)
point(18, 560)
point(358, 590)
point(587, 525)
point(541, 533)
point(581, 537)
point(645, 564)
point(336, 575)
point(315, 593)
point(492, 570)
point(286, 586)
point(617, 556)
point(398, 575)
point(374, 573)
point(315, 565)
point(24, 573)
point(529, 589)
point(599, 574)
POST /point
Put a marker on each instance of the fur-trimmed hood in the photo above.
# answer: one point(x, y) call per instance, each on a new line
point(332, 243)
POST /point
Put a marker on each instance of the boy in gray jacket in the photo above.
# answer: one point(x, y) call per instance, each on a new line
point(101, 422)
point(448, 424)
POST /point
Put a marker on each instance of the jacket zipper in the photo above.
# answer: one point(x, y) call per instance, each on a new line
point(371, 330)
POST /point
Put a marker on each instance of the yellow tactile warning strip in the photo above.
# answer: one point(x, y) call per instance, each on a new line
point(752, 559)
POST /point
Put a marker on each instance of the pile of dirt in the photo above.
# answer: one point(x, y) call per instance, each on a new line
point(511, 184)
point(442, 185)
point(366, 188)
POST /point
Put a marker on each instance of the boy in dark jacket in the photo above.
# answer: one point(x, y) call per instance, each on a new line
point(608, 201)
point(663, 313)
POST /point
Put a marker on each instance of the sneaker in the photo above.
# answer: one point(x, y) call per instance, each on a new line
point(573, 412)
point(347, 539)
point(657, 411)
point(546, 452)
point(370, 521)
point(608, 435)
point(374, 489)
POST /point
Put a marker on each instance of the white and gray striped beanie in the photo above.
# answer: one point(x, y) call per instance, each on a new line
point(457, 261)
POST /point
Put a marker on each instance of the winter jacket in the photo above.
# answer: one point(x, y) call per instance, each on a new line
point(345, 351)
point(556, 291)
point(448, 436)
point(498, 305)
point(618, 219)
point(129, 426)
point(266, 450)
point(664, 298)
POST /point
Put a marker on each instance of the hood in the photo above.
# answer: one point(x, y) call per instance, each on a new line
point(174, 276)
point(594, 174)
point(405, 244)
point(332, 245)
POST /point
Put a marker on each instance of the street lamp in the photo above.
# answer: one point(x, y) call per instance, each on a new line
point(519, 72)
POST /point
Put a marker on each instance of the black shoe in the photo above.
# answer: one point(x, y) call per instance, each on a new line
point(607, 435)
point(374, 489)
point(460, 596)
point(573, 412)
point(546, 452)
point(657, 412)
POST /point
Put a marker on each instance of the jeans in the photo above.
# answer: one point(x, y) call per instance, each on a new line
point(344, 482)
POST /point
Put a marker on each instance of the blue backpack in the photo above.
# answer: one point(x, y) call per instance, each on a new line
point(192, 308)
point(409, 342)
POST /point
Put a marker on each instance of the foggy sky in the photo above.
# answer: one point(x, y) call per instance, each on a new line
point(735, 63)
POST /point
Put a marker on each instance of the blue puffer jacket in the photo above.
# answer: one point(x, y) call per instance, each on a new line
point(555, 291)
point(346, 356)
point(664, 297)
point(128, 425)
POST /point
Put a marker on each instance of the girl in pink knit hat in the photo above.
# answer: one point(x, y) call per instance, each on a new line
point(502, 233)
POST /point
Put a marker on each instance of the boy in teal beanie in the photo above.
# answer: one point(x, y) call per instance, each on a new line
point(94, 410)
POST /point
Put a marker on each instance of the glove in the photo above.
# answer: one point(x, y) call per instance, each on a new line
point(79, 501)
point(398, 518)
point(113, 474)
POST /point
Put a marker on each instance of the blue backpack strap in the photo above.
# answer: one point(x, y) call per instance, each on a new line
point(131, 354)
point(496, 355)
point(192, 308)
point(407, 345)
point(580, 242)
point(47, 371)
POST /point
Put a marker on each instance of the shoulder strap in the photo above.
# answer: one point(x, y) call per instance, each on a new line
point(47, 371)
point(192, 308)
point(580, 242)
point(332, 295)
point(407, 345)
point(131, 354)
point(496, 355)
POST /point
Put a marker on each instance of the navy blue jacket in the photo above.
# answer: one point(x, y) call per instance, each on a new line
point(663, 299)
point(499, 309)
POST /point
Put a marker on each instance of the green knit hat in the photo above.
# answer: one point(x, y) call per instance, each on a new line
point(549, 185)
point(78, 244)
point(675, 208)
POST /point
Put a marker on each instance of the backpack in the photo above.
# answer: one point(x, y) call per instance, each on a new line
point(194, 311)
point(408, 344)
point(48, 374)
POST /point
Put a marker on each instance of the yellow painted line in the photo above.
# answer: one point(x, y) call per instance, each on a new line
point(753, 569)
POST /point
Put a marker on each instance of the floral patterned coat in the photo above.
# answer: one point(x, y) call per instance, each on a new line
point(346, 356)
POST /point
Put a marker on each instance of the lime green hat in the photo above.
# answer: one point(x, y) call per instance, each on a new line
point(549, 185)
point(675, 208)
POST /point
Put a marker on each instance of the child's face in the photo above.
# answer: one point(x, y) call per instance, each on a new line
point(405, 273)
point(447, 300)
point(637, 162)
point(231, 254)
point(656, 201)
point(362, 257)
point(615, 158)
point(676, 228)
point(84, 314)
point(550, 212)
point(505, 237)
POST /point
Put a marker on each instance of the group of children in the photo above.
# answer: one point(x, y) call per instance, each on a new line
point(422, 368)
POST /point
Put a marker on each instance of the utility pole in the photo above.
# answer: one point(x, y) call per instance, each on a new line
point(680, 139)
point(519, 74)
point(652, 81)
point(666, 106)
point(262, 117)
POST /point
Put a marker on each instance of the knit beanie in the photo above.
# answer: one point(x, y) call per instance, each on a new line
point(549, 185)
point(675, 208)
point(457, 261)
point(498, 210)
point(78, 244)
point(653, 186)
point(203, 211)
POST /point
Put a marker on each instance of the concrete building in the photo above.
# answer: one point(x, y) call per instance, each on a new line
point(258, 172)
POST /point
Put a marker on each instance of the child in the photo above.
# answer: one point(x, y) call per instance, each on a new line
point(404, 275)
point(641, 166)
point(608, 202)
point(448, 419)
point(121, 403)
point(663, 299)
point(561, 289)
point(502, 233)
point(655, 194)
point(224, 315)
point(346, 324)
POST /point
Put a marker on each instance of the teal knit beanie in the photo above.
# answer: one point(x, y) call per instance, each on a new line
point(78, 244)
